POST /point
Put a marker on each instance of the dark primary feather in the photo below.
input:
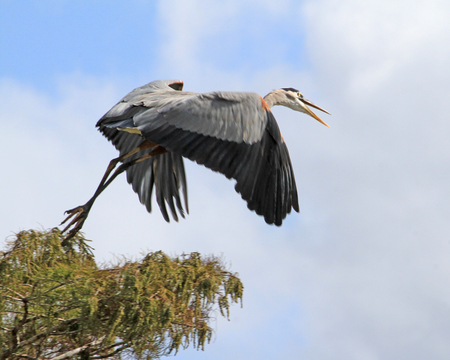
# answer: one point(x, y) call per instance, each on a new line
point(263, 169)
point(227, 132)
point(164, 172)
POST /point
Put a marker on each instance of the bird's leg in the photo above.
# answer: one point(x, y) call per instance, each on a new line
point(80, 213)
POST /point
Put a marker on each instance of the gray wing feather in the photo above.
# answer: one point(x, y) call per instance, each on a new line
point(128, 105)
point(165, 172)
point(230, 116)
point(232, 133)
point(237, 117)
point(227, 116)
point(263, 170)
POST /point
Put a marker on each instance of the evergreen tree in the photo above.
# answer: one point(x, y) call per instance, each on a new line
point(56, 302)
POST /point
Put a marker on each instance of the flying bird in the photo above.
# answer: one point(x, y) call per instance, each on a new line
point(234, 133)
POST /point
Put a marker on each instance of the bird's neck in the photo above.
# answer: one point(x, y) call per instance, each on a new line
point(270, 99)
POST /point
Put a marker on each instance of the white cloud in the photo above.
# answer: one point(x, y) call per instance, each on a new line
point(362, 272)
point(43, 140)
point(381, 284)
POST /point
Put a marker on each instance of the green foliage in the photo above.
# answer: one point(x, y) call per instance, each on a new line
point(56, 302)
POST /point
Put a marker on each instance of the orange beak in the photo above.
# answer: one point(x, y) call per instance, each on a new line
point(310, 112)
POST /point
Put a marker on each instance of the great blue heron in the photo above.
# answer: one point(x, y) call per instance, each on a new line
point(233, 133)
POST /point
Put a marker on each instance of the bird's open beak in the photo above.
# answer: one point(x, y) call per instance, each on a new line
point(310, 112)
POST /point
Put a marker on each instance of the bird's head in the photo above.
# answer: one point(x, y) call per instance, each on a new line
point(293, 99)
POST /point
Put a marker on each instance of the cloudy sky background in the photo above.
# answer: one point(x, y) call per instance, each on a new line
point(363, 271)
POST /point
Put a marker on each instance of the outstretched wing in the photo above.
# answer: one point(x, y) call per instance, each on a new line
point(165, 173)
point(232, 133)
point(263, 169)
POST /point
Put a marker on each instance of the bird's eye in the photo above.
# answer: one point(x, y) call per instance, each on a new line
point(300, 95)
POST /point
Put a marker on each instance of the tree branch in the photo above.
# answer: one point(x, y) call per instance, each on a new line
point(78, 350)
point(110, 354)
point(46, 333)
point(113, 345)
point(12, 298)
point(26, 357)
point(13, 291)
point(15, 331)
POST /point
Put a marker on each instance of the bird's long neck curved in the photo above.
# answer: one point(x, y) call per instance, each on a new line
point(271, 99)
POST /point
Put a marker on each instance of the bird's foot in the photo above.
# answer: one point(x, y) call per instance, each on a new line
point(79, 214)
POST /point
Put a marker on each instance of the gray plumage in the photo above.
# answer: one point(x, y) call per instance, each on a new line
point(233, 133)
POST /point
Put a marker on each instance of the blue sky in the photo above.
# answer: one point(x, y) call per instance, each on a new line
point(50, 38)
point(366, 260)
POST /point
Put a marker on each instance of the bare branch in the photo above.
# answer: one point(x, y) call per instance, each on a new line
point(110, 354)
point(13, 291)
point(46, 333)
point(15, 312)
point(64, 333)
point(12, 298)
point(26, 357)
point(57, 286)
point(78, 350)
point(15, 331)
point(112, 346)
